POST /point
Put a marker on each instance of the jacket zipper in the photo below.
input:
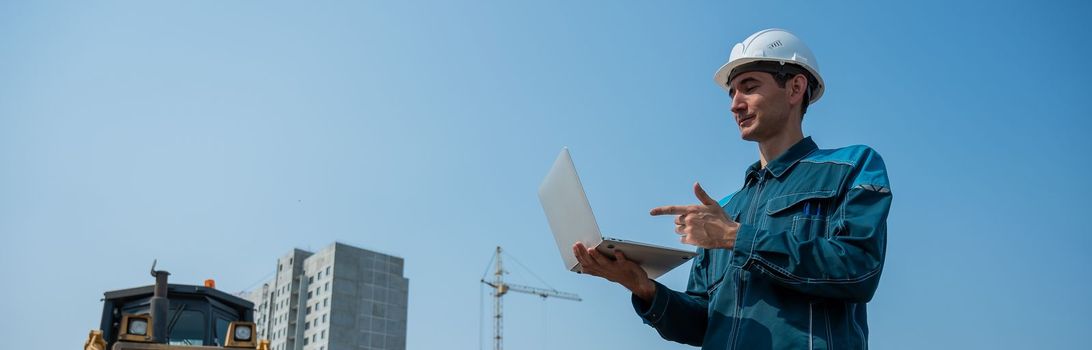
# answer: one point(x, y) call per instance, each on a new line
point(738, 312)
point(754, 201)
point(743, 284)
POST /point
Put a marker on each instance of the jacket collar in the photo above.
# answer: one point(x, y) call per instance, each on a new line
point(786, 160)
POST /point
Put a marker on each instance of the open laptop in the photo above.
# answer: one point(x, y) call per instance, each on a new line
point(571, 219)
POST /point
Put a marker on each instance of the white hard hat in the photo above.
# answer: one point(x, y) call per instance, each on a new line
point(772, 45)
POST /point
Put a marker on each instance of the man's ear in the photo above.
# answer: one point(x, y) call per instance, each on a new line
point(798, 84)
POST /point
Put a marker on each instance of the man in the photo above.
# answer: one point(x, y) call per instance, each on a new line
point(790, 260)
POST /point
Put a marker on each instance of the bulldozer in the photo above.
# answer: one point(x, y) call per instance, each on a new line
point(174, 317)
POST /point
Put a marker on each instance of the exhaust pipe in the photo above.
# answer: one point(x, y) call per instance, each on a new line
point(159, 306)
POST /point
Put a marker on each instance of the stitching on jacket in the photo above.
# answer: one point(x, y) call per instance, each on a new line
point(794, 279)
point(842, 207)
point(829, 192)
point(737, 314)
point(803, 218)
point(830, 335)
point(811, 340)
point(657, 314)
point(822, 194)
point(827, 162)
point(751, 253)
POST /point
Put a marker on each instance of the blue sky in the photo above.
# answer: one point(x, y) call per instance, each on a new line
point(217, 135)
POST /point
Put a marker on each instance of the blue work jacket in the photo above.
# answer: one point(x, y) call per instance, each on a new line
point(807, 258)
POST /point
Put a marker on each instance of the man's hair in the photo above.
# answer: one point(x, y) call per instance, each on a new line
point(781, 73)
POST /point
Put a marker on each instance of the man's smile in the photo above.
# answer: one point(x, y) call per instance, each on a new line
point(744, 120)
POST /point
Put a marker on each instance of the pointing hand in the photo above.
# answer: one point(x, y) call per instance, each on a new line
point(704, 225)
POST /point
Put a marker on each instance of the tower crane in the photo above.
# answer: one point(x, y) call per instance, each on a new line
point(500, 288)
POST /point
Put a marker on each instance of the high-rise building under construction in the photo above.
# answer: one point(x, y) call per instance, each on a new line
point(339, 298)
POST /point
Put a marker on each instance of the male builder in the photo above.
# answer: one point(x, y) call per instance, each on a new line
point(790, 260)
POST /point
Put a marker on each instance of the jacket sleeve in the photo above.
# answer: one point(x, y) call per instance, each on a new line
point(679, 316)
point(847, 264)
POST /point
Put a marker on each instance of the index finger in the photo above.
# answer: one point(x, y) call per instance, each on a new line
point(672, 209)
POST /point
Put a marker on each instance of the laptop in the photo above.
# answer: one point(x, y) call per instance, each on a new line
point(571, 220)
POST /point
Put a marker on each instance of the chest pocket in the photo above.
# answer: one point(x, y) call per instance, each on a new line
point(805, 215)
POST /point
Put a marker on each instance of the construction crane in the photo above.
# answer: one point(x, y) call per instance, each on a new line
point(500, 289)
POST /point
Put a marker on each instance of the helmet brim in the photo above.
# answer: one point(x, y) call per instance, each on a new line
point(722, 74)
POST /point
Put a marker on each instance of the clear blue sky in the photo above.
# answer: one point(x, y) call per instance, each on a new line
point(217, 135)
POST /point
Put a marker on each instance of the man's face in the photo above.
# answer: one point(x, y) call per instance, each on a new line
point(760, 106)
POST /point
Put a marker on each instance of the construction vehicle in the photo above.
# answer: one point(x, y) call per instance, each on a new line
point(174, 317)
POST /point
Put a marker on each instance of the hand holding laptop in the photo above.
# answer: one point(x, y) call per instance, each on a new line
point(616, 269)
point(704, 225)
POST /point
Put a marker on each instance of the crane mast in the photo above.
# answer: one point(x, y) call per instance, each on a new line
point(500, 289)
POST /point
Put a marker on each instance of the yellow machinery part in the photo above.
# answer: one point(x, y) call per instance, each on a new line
point(94, 341)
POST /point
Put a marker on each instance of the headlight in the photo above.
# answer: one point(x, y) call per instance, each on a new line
point(138, 326)
point(242, 333)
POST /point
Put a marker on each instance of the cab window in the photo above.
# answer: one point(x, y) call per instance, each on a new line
point(189, 329)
